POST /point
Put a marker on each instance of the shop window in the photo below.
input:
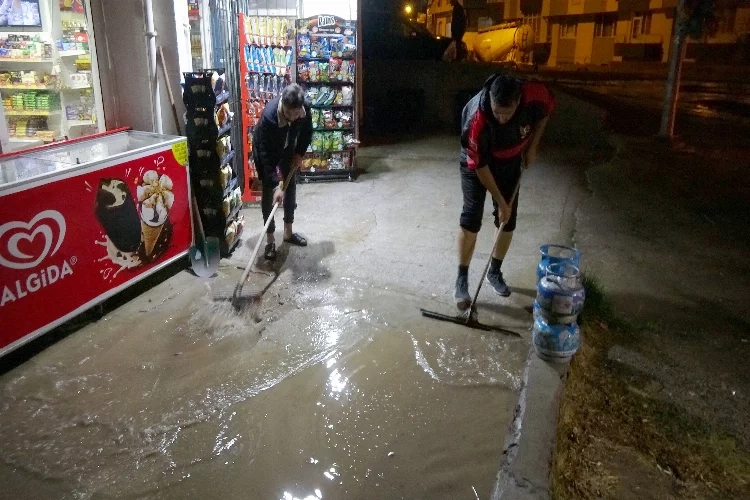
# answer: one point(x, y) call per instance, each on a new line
point(641, 24)
point(568, 29)
point(605, 25)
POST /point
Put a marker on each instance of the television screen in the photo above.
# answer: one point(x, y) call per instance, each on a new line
point(20, 13)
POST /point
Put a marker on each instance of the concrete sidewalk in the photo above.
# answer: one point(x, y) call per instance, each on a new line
point(173, 395)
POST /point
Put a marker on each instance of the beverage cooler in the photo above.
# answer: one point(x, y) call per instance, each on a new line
point(49, 80)
point(85, 219)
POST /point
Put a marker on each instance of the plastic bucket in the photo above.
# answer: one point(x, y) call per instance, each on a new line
point(556, 254)
point(556, 343)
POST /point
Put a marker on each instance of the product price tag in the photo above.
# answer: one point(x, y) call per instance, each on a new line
point(180, 151)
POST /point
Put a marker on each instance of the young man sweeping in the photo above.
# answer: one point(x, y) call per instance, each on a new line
point(280, 141)
point(500, 133)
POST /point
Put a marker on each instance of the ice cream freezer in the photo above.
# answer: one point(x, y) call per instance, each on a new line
point(82, 221)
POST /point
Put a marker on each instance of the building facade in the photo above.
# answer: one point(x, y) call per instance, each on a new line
point(603, 32)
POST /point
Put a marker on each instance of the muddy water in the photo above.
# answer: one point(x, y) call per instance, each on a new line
point(343, 392)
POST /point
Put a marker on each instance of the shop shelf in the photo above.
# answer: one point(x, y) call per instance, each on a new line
point(73, 53)
point(325, 59)
point(331, 82)
point(26, 140)
point(332, 106)
point(32, 86)
point(343, 129)
point(35, 61)
point(80, 123)
point(37, 112)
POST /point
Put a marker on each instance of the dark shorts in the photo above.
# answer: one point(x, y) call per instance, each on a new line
point(475, 193)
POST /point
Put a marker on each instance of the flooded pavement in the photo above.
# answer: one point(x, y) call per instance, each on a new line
point(729, 101)
point(334, 387)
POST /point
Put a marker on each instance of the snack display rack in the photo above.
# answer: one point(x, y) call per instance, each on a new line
point(212, 157)
point(326, 69)
point(266, 56)
point(47, 85)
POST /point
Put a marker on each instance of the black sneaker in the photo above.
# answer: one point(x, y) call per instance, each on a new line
point(498, 283)
point(463, 299)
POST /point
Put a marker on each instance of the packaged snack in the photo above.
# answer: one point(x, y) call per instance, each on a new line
point(223, 146)
point(226, 206)
point(223, 115)
point(334, 70)
point(350, 75)
point(324, 96)
point(218, 82)
point(303, 47)
point(255, 29)
point(336, 162)
point(325, 48)
point(339, 99)
point(318, 141)
point(315, 117)
point(348, 140)
point(347, 47)
point(343, 119)
point(271, 58)
point(289, 56)
point(311, 95)
point(240, 224)
point(330, 96)
point(275, 31)
point(316, 47)
point(348, 96)
point(303, 73)
point(328, 119)
point(226, 176)
point(337, 141)
point(323, 71)
point(314, 71)
point(231, 233)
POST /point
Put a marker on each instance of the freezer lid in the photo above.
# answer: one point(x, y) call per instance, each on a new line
point(101, 148)
point(35, 163)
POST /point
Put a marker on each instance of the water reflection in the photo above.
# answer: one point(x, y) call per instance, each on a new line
point(317, 496)
point(336, 384)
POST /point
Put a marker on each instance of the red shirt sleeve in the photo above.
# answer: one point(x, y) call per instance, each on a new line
point(535, 94)
point(478, 142)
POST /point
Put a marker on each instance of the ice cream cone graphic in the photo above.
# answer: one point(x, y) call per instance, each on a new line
point(155, 199)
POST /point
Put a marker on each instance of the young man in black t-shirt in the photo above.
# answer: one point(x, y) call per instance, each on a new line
point(280, 141)
point(501, 129)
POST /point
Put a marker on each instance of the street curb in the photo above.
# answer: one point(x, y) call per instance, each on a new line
point(527, 453)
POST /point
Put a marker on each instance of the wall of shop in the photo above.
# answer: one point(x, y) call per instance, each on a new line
point(124, 66)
